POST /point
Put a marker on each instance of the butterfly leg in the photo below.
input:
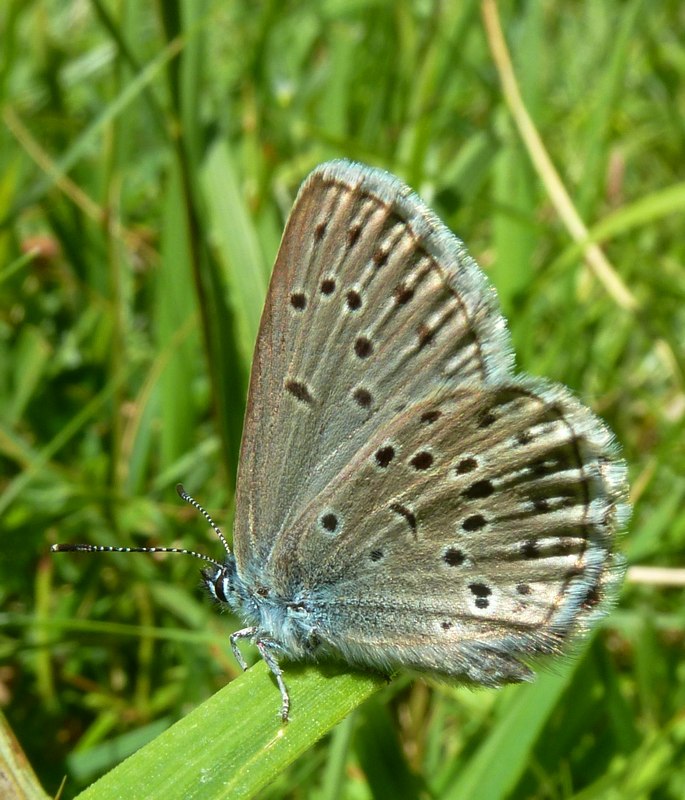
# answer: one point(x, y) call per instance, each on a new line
point(245, 633)
point(277, 672)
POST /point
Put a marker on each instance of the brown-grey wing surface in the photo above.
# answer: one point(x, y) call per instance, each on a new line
point(475, 529)
point(373, 304)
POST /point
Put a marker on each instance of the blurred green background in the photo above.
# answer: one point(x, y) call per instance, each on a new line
point(149, 155)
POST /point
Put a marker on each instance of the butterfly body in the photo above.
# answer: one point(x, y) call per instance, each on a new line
point(287, 623)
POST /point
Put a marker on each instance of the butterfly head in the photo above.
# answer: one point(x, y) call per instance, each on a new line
point(225, 585)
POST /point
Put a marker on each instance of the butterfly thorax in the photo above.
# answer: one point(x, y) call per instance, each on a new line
point(286, 622)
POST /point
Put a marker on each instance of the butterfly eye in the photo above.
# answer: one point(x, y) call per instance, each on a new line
point(218, 586)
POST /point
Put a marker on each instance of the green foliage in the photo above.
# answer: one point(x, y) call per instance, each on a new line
point(149, 154)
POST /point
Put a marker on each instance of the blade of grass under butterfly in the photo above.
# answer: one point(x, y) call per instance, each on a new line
point(234, 744)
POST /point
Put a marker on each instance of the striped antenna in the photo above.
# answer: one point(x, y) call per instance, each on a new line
point(193, 502)
point(93, 548)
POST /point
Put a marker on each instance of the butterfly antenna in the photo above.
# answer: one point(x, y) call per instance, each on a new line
point(94, 548)
point(193, 502)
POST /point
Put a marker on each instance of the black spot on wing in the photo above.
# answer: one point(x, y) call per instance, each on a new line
point(299, 391)
point(405, 512)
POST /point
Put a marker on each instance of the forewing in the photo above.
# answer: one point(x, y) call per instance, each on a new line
point(373, 304)
point(473, 529)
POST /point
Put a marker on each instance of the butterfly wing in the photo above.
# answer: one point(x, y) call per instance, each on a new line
point(424, 506)
point(373, 303)
point(475, 528)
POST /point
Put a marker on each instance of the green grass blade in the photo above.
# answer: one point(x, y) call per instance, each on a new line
point(238, 247)
point(506, 752)
point(234, 744)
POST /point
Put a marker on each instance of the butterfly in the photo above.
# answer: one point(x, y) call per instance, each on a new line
point(405, 499)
